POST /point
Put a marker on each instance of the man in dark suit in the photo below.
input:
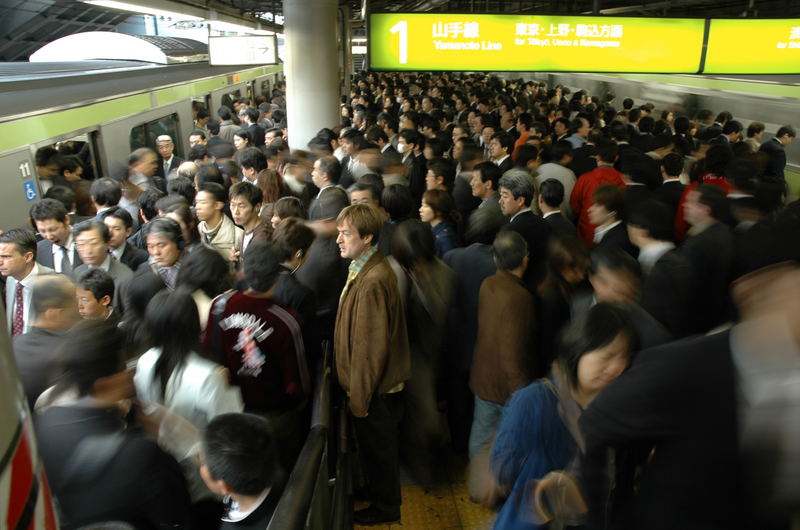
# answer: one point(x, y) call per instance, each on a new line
point(671, 189)
point(500, 147)
point(120, 227)
point(411, 146)
point(615, 277)
point(352, 141)
point(168, 162)
point(689, 416)
point(584, 157)
point(389, 155)
point(472, 264)
point(57, 250)
point(666, 284)
point(56, 311)
point(708, 408)
point(709, 252)
point(645, 140)
point(217, 146)
point(106, 193)
point(775, 150)
point(324, 271)
point(249, 117)
point(731, 133)
point(325, 175)
point(508, 124)
point(606, 213)
point(551, 195)
point(635, 172)
point(516, 194)
point(620, 135)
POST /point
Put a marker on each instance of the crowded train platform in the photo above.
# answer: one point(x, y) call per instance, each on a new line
point(546, 284)
point(472, 300)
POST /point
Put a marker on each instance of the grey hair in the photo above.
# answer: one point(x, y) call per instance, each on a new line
point(519, 184)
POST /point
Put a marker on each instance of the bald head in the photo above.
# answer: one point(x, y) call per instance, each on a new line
point(53, 299)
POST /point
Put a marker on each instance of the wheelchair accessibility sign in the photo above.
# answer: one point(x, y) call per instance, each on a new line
point(30, 190)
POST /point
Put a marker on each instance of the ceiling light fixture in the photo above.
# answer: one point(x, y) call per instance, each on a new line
point(141, 9)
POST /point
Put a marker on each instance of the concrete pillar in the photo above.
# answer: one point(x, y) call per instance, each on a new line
point(311, 68)
point(345, 52)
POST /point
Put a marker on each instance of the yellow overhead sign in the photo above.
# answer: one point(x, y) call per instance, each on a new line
point(753, 47)
point(458, 42)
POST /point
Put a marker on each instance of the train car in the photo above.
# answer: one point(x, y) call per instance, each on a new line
point(111, 106)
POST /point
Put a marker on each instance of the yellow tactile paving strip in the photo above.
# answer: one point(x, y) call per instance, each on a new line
point(439, 507)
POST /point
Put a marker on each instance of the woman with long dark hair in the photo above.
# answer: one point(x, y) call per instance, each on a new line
point(567, 263)
point(172, 373)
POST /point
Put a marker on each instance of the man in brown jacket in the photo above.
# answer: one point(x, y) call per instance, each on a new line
point(372, 357)
point(503, 351)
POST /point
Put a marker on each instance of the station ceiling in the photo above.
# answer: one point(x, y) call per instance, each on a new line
point(26, 25)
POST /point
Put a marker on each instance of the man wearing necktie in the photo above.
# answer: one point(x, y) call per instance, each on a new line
point(57, 249)
point(18, 265)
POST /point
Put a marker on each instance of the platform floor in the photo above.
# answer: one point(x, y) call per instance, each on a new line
point(439, 507)
point(442, 506)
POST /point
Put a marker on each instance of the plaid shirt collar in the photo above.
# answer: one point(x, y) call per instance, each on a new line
point(357, 264)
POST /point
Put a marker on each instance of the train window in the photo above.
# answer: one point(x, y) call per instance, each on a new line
point(49, 157)
point(72, 163)
point(145, 135)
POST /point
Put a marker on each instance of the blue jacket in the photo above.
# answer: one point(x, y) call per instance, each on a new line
point(532, 441)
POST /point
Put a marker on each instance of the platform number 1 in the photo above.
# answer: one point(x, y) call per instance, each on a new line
point(402, 28)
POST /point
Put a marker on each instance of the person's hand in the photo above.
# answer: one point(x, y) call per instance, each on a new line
point(234, 255)
point(558, 496)
point(149, 418)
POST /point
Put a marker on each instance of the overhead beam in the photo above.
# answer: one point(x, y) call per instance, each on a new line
point(649, 7)
point(209, 10)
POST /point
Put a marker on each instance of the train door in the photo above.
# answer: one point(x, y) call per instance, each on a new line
point(76, 153)
point(226, 97)
point(25, 498)
point(201, 102)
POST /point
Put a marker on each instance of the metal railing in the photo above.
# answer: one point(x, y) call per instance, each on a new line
point(317, 495)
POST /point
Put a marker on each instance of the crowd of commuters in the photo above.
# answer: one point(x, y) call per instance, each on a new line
point(573, 293)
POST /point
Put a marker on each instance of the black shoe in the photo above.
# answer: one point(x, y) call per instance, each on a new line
point(372, 516)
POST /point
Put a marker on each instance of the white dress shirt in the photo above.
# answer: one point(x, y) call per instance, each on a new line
point(58, 250)
point(28, 315)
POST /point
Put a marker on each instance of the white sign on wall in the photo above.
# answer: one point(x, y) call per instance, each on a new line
point(250, 49)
